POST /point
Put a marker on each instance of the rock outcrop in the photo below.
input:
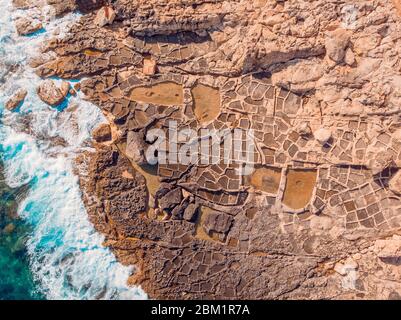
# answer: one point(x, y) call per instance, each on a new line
point(395, 183)
point(105, 16)
point(85, 6)
point(27, 26)
point(16, 100)
point(50, 93)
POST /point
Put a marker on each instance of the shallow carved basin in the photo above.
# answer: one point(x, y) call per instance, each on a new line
point(266, 179)
point(206, 102)
point(299, 188)
point(165, 93)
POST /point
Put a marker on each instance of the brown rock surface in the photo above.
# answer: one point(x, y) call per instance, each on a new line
point(66, 6)
point(149, 67)
point(27, 26)
point(395, 183)
point(336, 44)
point(102, 133)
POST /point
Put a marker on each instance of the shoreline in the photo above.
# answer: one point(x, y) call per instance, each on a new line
point(320, 216)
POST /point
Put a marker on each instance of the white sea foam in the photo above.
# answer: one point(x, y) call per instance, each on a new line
point(66, 254)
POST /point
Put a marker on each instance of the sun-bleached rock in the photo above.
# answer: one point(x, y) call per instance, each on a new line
point(349, 58)
point(388, 249)
point(339, 268)
point(397, 5)
point(21, 4)
point(397, 135)
point(338, 63)
point(135, 149)
point(336, 44)
point(322, 135)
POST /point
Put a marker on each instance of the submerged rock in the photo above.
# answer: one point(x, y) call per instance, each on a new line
point(9, 228)
point(16, 100)
point(50, 93)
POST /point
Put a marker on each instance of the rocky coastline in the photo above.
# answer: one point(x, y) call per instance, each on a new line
point(318, 82)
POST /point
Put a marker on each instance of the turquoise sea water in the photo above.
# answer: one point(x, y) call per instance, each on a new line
point(51, 250)
point(16, 279)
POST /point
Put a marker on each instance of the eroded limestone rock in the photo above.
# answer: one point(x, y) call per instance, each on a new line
point(102, 133)
point(322, 135)
point(217, 222)
point(395, 183)
point(26, 26)
point(135, 148)
point(191, 212)
point(380, 161)
point(105, 16)
point(299, 75)
point(171, 199)
point(16, 100)
point(276, 64)
point(389, 250)
point(304, 129)
point(336, 45)
point(149, 67)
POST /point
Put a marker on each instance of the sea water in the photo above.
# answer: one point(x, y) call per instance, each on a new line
point(60, 255)
point(16, 279)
